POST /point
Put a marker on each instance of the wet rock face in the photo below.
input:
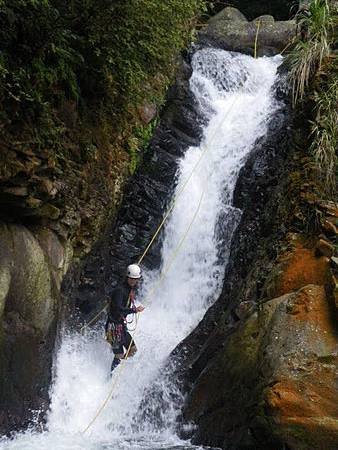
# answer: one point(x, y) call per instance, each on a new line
point(258, 371)
point(280, 377)
point(259, 189)
point(280, 9)
point(268, 380)
point(230, 30)
point(31, 269)
point(145, 200)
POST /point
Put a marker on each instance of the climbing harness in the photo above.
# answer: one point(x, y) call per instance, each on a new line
point(163, 273)
point(170, 209)
point(174, 254)
point(167, 267)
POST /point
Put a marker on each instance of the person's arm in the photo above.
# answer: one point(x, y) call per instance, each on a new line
point(119, 302)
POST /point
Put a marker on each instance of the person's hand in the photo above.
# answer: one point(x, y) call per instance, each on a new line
point(140, 308)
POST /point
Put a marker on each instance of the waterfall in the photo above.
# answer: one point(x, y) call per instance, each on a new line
point(235, 94)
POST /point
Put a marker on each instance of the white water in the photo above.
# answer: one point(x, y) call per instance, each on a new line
point(234, 92)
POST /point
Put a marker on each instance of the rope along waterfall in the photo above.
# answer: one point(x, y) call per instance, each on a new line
point(219, 80)
point(176, 250)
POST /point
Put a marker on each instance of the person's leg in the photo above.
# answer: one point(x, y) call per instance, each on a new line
point(118, 355)
point(116, 361)
point(129, 343)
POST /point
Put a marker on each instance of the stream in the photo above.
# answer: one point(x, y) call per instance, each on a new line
point(236, 97)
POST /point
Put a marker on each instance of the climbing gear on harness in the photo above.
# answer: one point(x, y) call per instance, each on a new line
point(171, 207)
point(109, 337)
point(133, 271)
point(114, 334)
point(132, 344)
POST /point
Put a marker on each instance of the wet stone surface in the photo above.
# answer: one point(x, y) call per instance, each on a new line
point(145, 200)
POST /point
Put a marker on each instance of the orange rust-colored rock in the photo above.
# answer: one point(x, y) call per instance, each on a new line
point(282, 359)
point(300, 268)
point(303, 400)
point(292, 401)
point(311, 306)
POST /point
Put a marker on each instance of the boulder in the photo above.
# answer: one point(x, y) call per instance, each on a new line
point(31, 271)
point(279, 390)
point(228, 13)
point(280, 9)
point(230, 30)
point(296, 268)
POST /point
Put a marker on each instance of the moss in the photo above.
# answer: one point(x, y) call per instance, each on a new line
point(105, 59)
point(327, 359)
point(313, 75)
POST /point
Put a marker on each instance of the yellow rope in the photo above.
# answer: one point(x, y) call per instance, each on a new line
point(256, 38)
point(164, 272)
point(174, 255)
point(172, 205)
point(86, 325)
point(114, 384)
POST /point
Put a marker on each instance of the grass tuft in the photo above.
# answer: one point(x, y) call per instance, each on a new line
point(314, 70)
point(309, 53)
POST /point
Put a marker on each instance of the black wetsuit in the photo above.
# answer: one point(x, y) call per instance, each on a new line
point(120, 306)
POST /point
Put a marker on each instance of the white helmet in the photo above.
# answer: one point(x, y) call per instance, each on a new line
point(133, 271)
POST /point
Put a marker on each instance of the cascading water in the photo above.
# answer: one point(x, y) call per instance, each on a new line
point(235, 95)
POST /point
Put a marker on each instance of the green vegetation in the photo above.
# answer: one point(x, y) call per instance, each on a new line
point(308, 55)
point(105, 56)
point(325, 128)
point(138, 143)
point(314, 73)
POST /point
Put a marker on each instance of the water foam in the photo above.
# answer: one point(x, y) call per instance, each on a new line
point(235, 94)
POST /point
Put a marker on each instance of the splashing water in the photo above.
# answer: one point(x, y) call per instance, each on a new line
point(235, 95)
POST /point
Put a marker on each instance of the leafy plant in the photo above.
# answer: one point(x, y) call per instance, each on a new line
point(138, 143)
point(307, 56)
point(325, 129)
point(106, 55)
point(314, 69)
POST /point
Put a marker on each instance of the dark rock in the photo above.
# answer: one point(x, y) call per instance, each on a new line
point(29, 272)
point(239, 35)
point(145, 200)
point(280, 9)
point(18, 191)
point(261, 185)
point(228, 13)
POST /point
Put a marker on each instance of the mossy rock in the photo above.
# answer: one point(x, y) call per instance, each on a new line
point(28, 313)
point(239, 35)
point(275, 376)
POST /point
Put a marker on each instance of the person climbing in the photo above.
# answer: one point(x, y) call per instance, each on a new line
point(123, 302)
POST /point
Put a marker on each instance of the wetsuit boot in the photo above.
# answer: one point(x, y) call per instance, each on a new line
point(114, 364)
